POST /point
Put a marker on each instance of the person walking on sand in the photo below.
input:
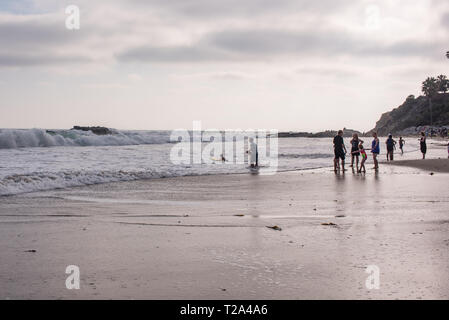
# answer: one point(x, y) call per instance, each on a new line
point(339, 151)
point(401, 144)
point(391, 145)
point(355, 141)
point(423, 145)
point(375, 150)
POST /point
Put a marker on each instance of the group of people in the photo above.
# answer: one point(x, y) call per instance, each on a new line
point(391, 146)
point(358, 150)
point(440, 132)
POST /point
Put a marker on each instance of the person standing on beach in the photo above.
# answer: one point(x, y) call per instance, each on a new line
point(254, 158)
point(375, 150)
point(339, 151)
point(423, 145)
point(362, 152)
point(355, 141)
point(401, 144)
point(391, 145)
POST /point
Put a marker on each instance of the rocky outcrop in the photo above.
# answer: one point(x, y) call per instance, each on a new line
point(332, 133)
point(322, 134)
point(293, 134)
point(97, 130)
point(414, 112)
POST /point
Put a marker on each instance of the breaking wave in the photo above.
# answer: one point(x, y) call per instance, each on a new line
point(28, 138)
point(41, 181)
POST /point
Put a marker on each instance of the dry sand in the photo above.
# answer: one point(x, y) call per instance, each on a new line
point(207, 237)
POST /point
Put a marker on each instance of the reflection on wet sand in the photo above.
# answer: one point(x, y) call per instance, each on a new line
point(158, 238)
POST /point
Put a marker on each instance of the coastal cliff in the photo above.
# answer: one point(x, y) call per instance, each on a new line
point(413, 113)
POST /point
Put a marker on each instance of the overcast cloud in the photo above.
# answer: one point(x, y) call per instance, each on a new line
point(319, 64)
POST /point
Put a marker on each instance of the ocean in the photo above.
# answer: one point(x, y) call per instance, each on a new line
point(36, 159)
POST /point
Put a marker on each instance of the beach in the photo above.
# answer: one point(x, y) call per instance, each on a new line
point(224, 150)
point(436, 165)
point(207, 237)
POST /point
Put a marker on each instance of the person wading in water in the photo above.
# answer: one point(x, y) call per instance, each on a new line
point(339, 151)
point(423, 145)
point(391, 145)
point(375, 150)
point(355, 141)
point(401, 144)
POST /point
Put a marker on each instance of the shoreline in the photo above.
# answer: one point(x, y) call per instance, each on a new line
point(158, 178)
point(437, 165)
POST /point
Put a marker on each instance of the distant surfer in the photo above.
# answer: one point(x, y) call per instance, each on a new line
point(254, 154)
point(220, 158)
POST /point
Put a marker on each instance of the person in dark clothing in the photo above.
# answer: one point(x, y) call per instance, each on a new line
point(401, 144)
point(375, 150)
point(355, 141)
point(339, 151)
point(391, 145)
point(423, 145)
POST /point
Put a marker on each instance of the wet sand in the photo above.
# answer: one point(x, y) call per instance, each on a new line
point(206, 237)
point(435, 165)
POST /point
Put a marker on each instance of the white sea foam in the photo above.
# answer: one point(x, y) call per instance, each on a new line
point(20, 183)
point(27, 138)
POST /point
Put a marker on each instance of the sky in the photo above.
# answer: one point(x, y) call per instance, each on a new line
point(300, 65)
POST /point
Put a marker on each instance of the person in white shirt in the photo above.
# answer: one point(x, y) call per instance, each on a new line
point(254, 159)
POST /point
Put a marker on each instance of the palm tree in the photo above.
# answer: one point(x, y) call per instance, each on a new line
point(430, 88)
point(442, 83)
